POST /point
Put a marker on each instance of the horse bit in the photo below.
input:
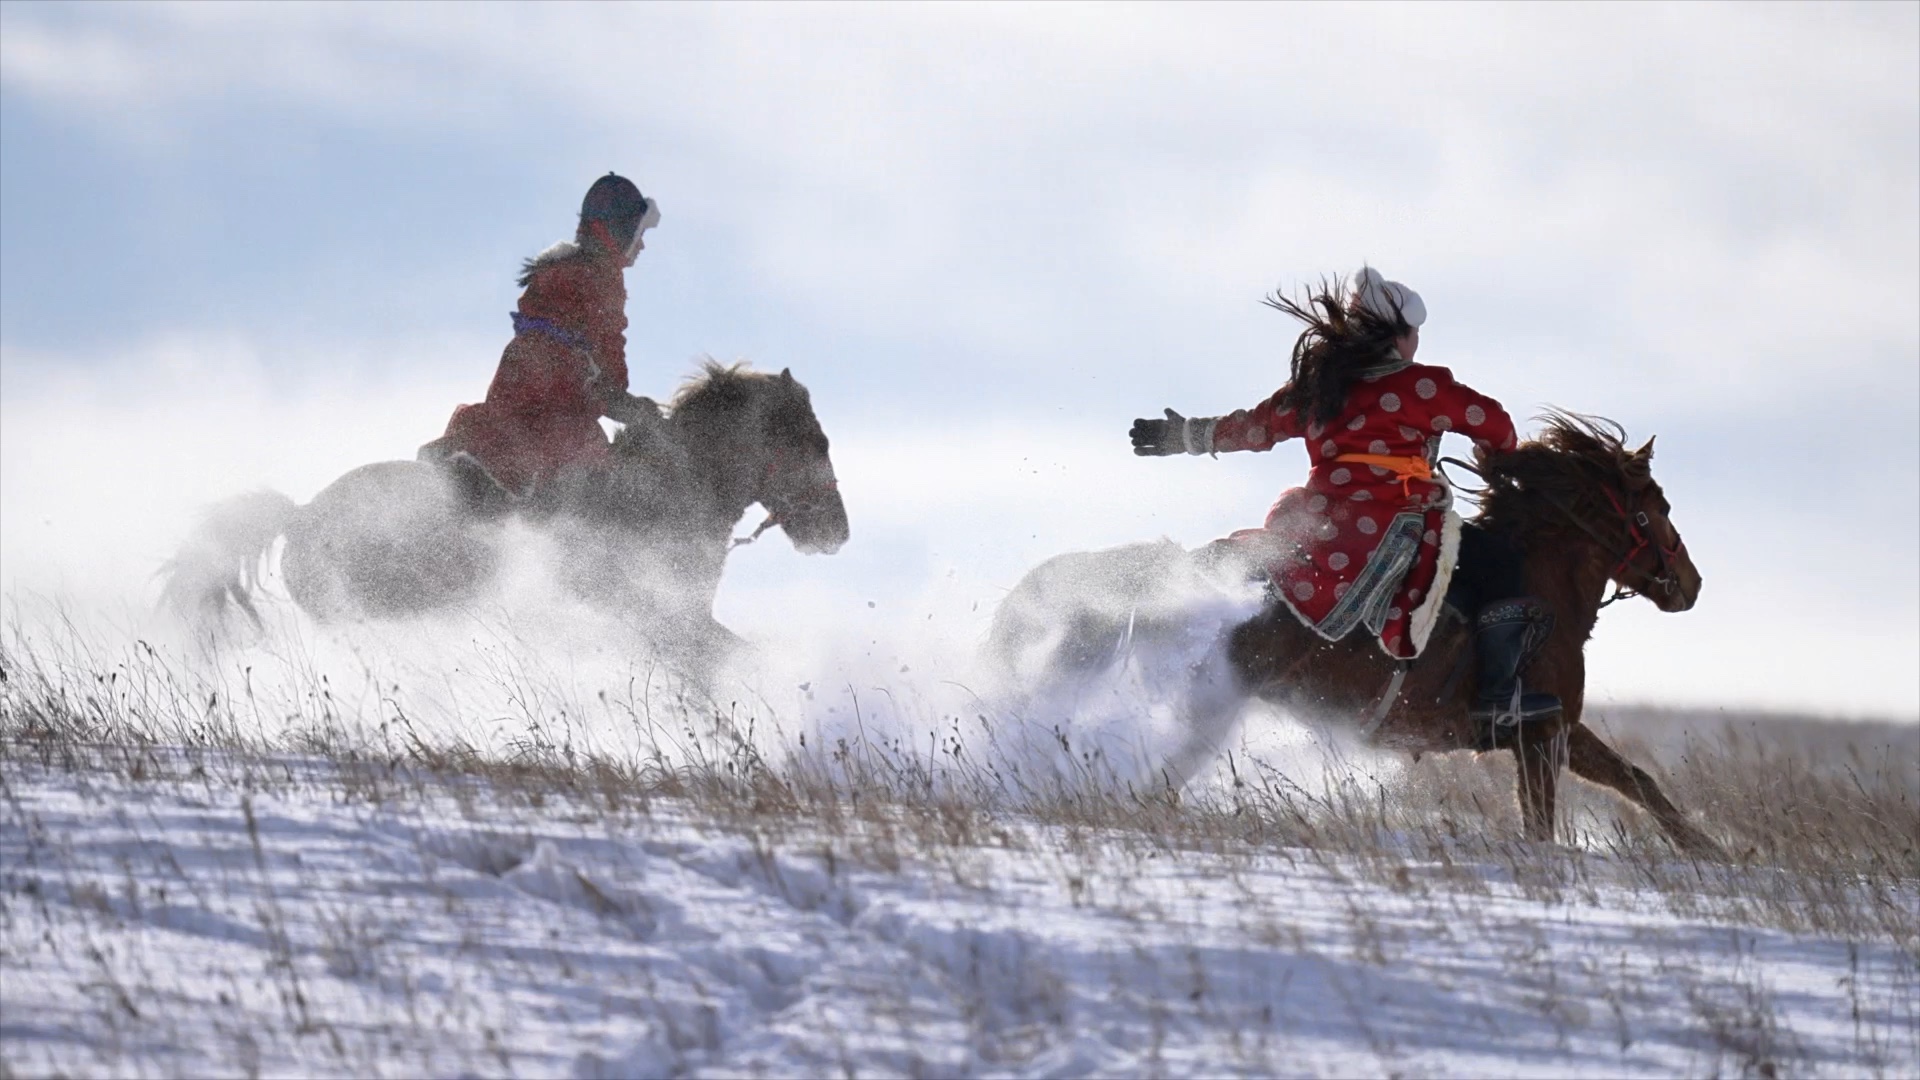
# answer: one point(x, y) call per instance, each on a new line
point(781, 507)
point(1639, 532)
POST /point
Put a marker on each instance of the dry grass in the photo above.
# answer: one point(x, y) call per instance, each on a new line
point(1821, 818)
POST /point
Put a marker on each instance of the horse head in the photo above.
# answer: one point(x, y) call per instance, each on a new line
point(756, 438)
point(1579, 476)
point(1658, 565)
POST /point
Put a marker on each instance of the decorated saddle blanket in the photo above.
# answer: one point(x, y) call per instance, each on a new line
point(1393, 590)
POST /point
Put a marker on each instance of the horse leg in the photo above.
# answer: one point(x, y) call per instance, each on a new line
point(1538, 759)
point(1253, 658)
point(1596, 762)
point(1213, 700)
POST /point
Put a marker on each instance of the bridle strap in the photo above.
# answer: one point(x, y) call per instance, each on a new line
point(1620, 592)
point(743, 541)
point(778, 514)
point(1637, 540)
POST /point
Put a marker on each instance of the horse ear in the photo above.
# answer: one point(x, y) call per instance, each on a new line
point(1646, 452)
point(786, 374)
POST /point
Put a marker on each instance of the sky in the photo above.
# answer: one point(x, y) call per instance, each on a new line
point(246, 245)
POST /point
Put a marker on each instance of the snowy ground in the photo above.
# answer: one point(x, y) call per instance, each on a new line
point(298, 916)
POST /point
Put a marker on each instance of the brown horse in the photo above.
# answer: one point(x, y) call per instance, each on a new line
point(647, 538)
point(1583, 508)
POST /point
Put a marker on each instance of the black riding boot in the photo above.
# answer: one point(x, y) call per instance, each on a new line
point(479, 493)
point(1506, 635)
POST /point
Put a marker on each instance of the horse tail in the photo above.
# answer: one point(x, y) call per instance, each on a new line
point(224, 557)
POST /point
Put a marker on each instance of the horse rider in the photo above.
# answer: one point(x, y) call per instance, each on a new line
point(566, 366)
point(1369, 540)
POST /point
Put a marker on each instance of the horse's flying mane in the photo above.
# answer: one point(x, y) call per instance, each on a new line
point(1573, 460)
point(714, 391)
point(716, 383)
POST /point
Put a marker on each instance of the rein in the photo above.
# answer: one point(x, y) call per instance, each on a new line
point(1638, 539)
point(743, 541)
point(778, 514)
point(1637, 526)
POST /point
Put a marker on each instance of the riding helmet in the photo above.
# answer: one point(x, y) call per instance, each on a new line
point(615, 200)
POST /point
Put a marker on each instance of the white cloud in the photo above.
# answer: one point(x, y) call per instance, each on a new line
point(1690, 212)
point(1653, 189)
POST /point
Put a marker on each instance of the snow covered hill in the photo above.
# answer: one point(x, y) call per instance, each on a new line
point(382, 854)
point(165, 912)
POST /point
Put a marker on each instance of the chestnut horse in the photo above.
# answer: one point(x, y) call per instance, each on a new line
point(1583, 509)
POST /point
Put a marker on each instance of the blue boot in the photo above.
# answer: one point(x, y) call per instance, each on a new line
point(1506, 635)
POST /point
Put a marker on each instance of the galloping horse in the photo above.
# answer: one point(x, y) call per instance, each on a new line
point(647, 538)
point(1583, 508)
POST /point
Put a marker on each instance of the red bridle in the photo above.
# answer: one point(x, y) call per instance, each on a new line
point(1639, 538)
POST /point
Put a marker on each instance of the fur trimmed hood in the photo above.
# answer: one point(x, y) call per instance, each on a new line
point(564, 251)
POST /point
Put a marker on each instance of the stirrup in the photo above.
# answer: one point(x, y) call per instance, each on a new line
point(1497, 724)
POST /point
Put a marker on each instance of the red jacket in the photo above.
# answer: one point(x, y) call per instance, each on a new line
point(584, 294)
point(1325, 535)
point(567, 357)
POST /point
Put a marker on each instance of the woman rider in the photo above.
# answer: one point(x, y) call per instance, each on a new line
point(566, 366)
point(1370, 540)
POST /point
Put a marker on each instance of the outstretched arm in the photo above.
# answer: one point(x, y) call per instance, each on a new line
point(1259, 428)
point(1480, 418)
point(1174, 435)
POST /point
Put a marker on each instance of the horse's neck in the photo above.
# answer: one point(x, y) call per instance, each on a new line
point(1570, 574)
point(723, 480)
point(730, 486)
point(687, 492)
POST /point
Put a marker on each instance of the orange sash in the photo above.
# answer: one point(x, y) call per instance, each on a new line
point(1405, 469)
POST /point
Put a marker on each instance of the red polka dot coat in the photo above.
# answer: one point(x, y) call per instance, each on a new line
point(1357, 526)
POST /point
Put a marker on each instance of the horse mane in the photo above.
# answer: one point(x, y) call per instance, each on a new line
point(716, 385)
point(703, 413)
point(1565, 471)
point(720, 391)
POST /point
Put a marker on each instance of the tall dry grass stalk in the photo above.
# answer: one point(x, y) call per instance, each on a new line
point(1821, 818)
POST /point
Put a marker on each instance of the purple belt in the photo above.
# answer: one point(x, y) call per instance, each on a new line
point(528, 324)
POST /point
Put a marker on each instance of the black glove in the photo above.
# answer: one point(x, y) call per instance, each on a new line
point(1158, 438)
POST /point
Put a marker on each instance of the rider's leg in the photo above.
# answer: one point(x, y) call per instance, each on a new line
point(1509, 627)
point(473, 485)
point(435, 452)
point(1506, 635)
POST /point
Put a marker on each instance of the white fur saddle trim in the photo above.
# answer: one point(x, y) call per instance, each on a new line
point(1427, 615)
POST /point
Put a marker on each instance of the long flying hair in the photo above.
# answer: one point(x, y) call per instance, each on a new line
point(1342, 340)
